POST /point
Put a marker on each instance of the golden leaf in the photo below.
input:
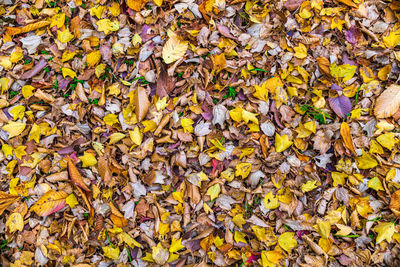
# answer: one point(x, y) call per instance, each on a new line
point(345, 132)
point(52, 201)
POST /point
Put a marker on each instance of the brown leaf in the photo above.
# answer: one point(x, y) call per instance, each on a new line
point(6, 200)
point(293, 4)
point(76, 176)
point(395, 203)
point(388, 102)
point(345, 132)
point(165, 83)
point(142, 103)
point(323, 64)
point(105, 171)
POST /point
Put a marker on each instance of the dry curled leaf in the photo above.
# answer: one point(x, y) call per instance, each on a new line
point(76, 176)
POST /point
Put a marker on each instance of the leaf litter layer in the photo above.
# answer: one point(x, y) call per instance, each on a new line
point(199, 133)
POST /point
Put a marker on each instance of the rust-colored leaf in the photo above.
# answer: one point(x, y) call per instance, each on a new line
point(395, 203)
point(345, 132)
point(76, 176)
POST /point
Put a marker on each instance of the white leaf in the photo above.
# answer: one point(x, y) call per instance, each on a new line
point(220, 115)
point(129, 209)
point(202, 128)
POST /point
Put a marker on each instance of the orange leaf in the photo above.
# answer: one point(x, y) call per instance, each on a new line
point(135, 4)
point(345, 132)
point(28, 28)
point(395, 203)
point(76, 176)
point(52, 201)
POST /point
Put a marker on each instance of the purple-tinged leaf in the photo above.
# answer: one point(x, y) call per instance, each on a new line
point(225, 31)
point(341, 105)
point(352, 35)
point(337, 87)
point(35, 70)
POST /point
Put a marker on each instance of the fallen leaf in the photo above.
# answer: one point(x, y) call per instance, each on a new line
point(174, 49)
point(287, 241)
point(76, 176)
point(345, 132)
point(52, 201)
point(388, 102)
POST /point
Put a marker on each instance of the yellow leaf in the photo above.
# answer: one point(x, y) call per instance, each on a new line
point(174, 49)
point(385, 232)
point(112, 253)
point(27, 91)
point(338, 178)
point(187, 125)
point(246, 152)
point(67, 55)
point(343, 230)
point(115, 9)
point(99, 70)
point(107, 26)
point(111, 119)
point(366, 161)
point(20, 152)
point(300, 51)
point(261, 91)
point(130, 241)
point(248, 116)
point(161, 103)
point(213, 191)
point(240, 237)
point(387, 140)
point(219, 62)
point(68, 72)
point(4, 84)
point(282, 142)
point(17, 55)
point(384, 73)
point(367, 74)
point(7, 150)
point(14, 128)
point(376, 184)
point(393, 39)
point(93, 58)
point(345, 71)
point(271, 258)
point(236, 114)
point(71, 201)
point(176, 245)
point(375, 147)
point(158, 2)
point(270, 201)
point(136, 136)
point(5, 62)
point(18, 112)
point(323, 228)
point(96, 11)
point(58, 20)
point(114, 89)
point(239, 220)
point(287, 241)
point(115, 137)
point(15, 222)
point(64, 36)
point(309, 186)
point(243, 170)
point(52, 201)
point(88, 159)
point(149, 126)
